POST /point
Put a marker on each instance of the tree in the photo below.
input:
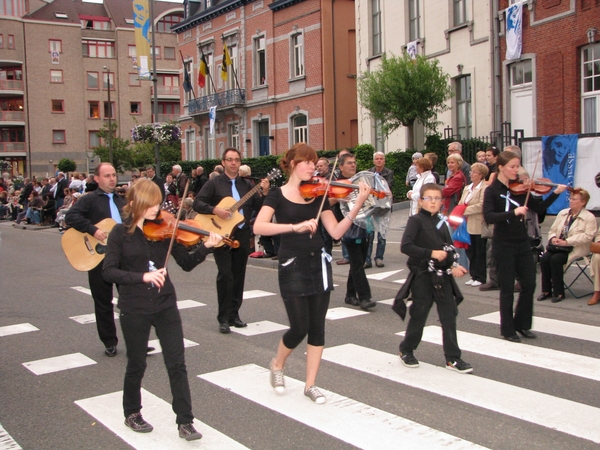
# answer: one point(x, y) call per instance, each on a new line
point(404, 90)
point(122, 157)
point(67, 165)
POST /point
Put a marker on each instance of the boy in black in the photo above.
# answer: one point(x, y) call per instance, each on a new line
point(433, 266)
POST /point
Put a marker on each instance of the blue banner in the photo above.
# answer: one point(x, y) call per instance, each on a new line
point(559, 154)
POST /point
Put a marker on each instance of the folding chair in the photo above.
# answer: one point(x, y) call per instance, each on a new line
point(581, 263)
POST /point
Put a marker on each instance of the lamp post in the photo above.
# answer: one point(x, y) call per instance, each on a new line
point(155, 83)
point(110, 131)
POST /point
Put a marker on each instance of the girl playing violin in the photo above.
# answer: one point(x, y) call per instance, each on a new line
point(305, 278)
point(147, 298)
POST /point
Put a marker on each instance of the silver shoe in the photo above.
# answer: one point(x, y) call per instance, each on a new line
point(277, 380)
point(315, 395)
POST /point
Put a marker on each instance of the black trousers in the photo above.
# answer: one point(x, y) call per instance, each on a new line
point(551, 265)
point(232, 274)
point(102, 293)
point(136, 330)
point(423, 296)
point(307, 317)
point(476, 253)
point(514, 259)
point(357, 284)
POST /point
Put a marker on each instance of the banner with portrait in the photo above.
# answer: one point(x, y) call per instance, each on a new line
point(143, 37)
point(559, 154)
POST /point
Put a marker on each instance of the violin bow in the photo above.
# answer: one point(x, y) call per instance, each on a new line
point(326, 189)
point(187, 184)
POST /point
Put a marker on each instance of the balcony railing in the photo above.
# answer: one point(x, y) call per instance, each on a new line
point(165, 117)
point(171, 91)
point(12, 116)
point(232, 97)
point(12, 147)
point(11, 85)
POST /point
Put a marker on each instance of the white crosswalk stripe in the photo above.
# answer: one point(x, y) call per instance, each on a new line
point(348, 420)
point(17, 329)
point(543, 409)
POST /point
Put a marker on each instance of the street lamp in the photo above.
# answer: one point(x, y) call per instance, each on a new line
point(110, 146)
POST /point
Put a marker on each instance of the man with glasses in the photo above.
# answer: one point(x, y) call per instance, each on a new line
point(230, 262)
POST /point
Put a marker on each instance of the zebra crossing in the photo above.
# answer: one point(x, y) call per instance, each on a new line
point(347, 419)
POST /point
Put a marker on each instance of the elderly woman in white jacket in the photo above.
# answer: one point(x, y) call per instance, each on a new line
point(424, 176)
point(574, 226)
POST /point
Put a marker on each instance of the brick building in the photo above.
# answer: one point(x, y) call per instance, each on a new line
point(293, 76)
point(57, 61)
point(554, 88)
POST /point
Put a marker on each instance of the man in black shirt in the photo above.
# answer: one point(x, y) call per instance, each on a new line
point(231, 262)
point(156, 180)
point(83, 216)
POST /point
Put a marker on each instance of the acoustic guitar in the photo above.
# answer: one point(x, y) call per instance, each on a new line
point(225, 227)
point(83, 250)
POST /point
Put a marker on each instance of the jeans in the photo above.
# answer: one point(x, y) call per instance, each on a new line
point(136, 330)
point(33, 216)
point(379, 251)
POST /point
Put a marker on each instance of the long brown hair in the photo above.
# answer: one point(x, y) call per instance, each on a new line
point(142, 195)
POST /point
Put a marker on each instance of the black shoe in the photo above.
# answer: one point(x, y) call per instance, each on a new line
point(518, 287)
point(188, 432)
point(544, 296)
point(351, 301)
point(110, 351)
point(409, 360)
point(366, 304)
point(224, 328)
point(514, 338)
point(368, 265)
point(238, 323)
point(459, 365)
point(558, 298)
point(137, 423)
point(527, 334)
point(490, 286)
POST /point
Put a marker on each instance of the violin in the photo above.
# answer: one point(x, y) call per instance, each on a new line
point(317, 186)
point(540, 186)
point(186, 234)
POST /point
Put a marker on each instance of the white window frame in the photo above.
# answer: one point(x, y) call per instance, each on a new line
point(466, 104)
point(260, 61)
point(414, 20)
point(234, 135)
point(459, 12)
point(376, 32)
point(190, 144)
point(299, 132)
point(232, 70)
point(297, 54)
point(589, 94)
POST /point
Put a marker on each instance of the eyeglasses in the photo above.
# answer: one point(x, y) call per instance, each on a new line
point(233, 160)
point(432, 199)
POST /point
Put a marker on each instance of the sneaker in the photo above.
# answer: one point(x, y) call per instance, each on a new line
point(315, 395)
point(110, 351)
point(137, 423)
point(409, 360)
point(277, 380)
point(379, 263)
point(188, 432)
point(470, 282)
point(459, 365)
point(366, 304)
point(476, 283)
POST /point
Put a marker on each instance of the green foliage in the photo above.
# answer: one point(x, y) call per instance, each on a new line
point(67, 165)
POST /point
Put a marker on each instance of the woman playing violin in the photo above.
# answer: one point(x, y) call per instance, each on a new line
point(147, 298)
point(305, 278)
point(511, 248)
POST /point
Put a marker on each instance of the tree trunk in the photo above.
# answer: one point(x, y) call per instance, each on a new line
point(410, 136)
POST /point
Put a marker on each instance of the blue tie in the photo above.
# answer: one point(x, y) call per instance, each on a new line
point(236, 197)
point(114, 210)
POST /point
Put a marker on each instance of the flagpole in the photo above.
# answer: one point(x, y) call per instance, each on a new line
point(155, 83)
point(188, 76)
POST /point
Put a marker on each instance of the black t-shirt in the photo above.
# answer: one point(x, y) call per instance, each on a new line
point(295, 244)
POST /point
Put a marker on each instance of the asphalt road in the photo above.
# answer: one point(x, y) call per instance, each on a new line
point(538, 394)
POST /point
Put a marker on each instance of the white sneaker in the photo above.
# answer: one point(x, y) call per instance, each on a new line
point(476, 283)
point(470, 282)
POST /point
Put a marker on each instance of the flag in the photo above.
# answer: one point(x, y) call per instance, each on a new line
point(226, 62)
point(202, 72)
point(143, 37)
point(411, 49)
point(514, 30)
point(212, 115)
point(187, 84)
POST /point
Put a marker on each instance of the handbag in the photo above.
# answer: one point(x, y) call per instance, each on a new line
point(487, 230)
point(461, 234)
point(552, 248)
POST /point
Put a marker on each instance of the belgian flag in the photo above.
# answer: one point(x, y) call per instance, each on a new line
point(202, 72)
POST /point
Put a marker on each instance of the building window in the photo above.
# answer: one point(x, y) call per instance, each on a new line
point(297, 55)
point(1, 41)
point(463, 106)
point(167, 111)
point(187, 66)
point(190, 145)
point(299, 129)
point(98, 49)
point(58, 106)
point(208, 86)
point(93, 139)
point(109, 112)
point(134, 79)
point(521, 73)
point(169, 52)
point(56, 76)
point(260, 61)
point(93, 110)
point(414, 17)
point(108, 78)
point(10, 42)
point(590, 87)
point(59, 137)
point(164, 25)
point(376, 27)
point(14, 8)
point(131, 51)
point(378, 137)
point(231, 71)
point(460, 12)
point(92, 80)
point(234, 135)
point(135, 108)
point(156, 51)
point(89, 24)
point(169, 84)
point(55, 45)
